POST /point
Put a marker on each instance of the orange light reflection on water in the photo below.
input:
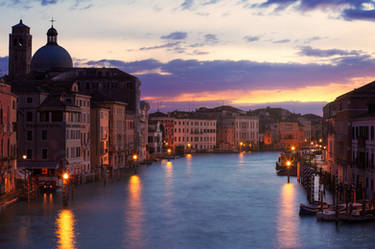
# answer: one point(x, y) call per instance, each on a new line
point(287, 233)
point(134, 213)
point(66, 238)
point(188, 164)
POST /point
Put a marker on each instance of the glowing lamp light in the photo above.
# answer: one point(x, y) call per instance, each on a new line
point(241, 143)
point(293, 148)
point(312, 143)
point(135, 157)
point(189, 145)
point(169, 151)
point(65, 176)
point(288, 163)
point(24, 157)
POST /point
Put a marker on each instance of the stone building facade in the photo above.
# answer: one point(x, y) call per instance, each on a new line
point(8, 148)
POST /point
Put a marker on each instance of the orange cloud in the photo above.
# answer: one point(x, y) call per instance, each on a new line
point(322, 93)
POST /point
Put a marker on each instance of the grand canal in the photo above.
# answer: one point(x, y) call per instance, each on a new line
point(202, 201)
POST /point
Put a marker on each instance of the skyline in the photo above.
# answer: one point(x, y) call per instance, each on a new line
point(286, 52)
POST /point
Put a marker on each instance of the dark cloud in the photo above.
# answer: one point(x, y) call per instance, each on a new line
point(282, 41)
point(349, 9)
point(311, 39)
point(359, 14)
point(249, 38)
point(210, 39)
point(193, 76)
point(27, 4)
point(315, 52)
point(175, 36)
point(187, 4)
point(166, 45)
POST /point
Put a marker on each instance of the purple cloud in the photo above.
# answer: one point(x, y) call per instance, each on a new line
point(314, 52)
point(250, 38)
point(166, 45)
point(349, 9)
point(175, 36)
point(282, 41)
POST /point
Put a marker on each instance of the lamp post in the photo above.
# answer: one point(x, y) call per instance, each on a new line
point(24, 157)
point(169, 153)
point(65, 177)
point(288, 164)
point(135, 158)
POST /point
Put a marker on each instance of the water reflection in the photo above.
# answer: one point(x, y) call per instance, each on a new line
point(66, 238)
point(188, 164)
point(241, 159)
point(287, 232)
point(169, 175)
point(134, 214)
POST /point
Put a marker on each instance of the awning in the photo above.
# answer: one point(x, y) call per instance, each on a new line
point(26, 164)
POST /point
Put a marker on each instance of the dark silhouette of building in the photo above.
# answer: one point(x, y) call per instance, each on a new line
point(19, 51)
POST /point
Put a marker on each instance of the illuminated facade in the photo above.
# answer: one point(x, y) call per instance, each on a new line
point(8, 149)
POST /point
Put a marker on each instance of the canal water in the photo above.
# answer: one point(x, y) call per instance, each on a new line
point(216, 201)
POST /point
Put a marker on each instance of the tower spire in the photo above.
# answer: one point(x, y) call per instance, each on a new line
point(52, 21)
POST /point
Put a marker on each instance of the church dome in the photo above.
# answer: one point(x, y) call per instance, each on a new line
point(51, 56)
point(52, 32)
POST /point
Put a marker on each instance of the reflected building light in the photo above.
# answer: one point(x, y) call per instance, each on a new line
point(287, 232)
point(134, 214)
point(65, 222)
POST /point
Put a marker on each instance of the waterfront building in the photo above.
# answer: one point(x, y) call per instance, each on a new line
point(99, 130)
point(167, 128)
point(130, 136)
point(8, 149)
point(363, 152)
point(155, 138)
point(52, 83)
point(194, 133)
point(117, 135)
point(54, 130)
point(236, 129)
point(291, 134)
point(337, 117)
point(143, 126)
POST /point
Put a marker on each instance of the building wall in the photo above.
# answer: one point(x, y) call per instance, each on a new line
point(362, 172)
point(117, 134)
point(57, 133)
point(195, 134)
point(246, 131)
point(8, 148)
point(99, 139)
point(291, 134)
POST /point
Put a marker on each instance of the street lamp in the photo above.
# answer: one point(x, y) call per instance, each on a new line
point(293, 148)
point(288, 164)
point(135, 158)
point(65, 177)
point(169, 150)
point(24, 157)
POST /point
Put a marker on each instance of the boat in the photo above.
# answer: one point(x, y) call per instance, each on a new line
point(356, 217)
point(327, 215)
point(308, 209)
point(311, 209)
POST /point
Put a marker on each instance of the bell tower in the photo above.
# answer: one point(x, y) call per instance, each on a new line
point(19, 51)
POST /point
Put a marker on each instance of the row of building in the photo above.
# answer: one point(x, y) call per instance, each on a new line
point(58, 118)
point(349, 123)
point(228, 129)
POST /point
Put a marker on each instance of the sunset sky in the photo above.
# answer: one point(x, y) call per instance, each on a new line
point(296, 54)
